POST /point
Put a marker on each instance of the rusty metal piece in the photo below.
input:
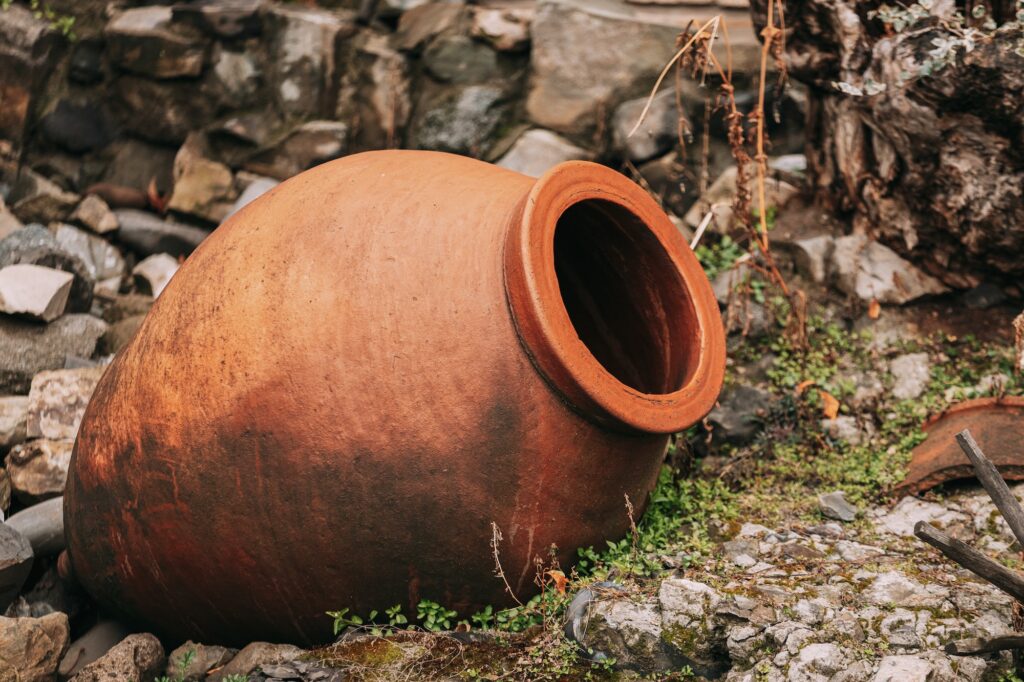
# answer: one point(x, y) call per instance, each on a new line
point(996, 423)
point(358, 373)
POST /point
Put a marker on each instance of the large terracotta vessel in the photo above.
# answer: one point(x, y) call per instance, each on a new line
point(356, 375)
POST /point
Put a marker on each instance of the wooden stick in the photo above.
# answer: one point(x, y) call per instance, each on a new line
point(1006, 580)
point(994, 484)
point(977, 645)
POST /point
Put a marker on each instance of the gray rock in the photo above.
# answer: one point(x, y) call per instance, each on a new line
point(910, 510)
point(203, 188)
point(811, 257)
point(464, 122)
point(27, 348)
point(461, 60)
point(818, 661)
point(134, 163)
point(42, 525)
point(13, 417)
point(201, 659)
point(303, 41)
point(39, 469)
point(95, 214)
point(656, 135)
point(577, 67)
point(896, 589)
point(238, 75)
point(537, 151)
point(95, 643)
point(929, 667)
point(257, 188)
point(868, 270)
point(77, 126)
point(911, 373)
point(15, 563)
point(31, 48)
point(834, 506)
point(146, 234)
point(899, 630)
point(34, 291)
point(628, 632)
point(102, 260)
point(154, 273)
point(419, 25)
point(739, 415)
point(307, 146)
point(255, 655)
point(844, 427)
point(144, 40)
point(31, 648)
point(35, 245)
point(222, 18)
point(164, 112)
point(375, 91)
point(136, 658)
point(57, 401)
point(689, 626)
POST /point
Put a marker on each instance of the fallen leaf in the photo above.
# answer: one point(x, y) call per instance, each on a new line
point(803, 386)
point(158, 202)
point(560, 580)
point(829, 405)
point(874, 309)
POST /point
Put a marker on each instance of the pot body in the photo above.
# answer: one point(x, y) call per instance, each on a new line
point(335, 402)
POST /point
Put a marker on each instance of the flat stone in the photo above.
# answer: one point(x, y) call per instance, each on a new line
point(35, 245)
point(94, 214)
point(57, 401)
point(31, 648)
point(911, 373)
point(27, 348)
point(39, 469)
point(461, 60)
point(102, 260)
point(42, 525)
point(144, 40)
point(896, 589)
point(34, 291)
point(136, 658)
point(537, 151)
point(577, 69)
point(869, 270)
point(94, 644)
point(36, 199)
point(834, 506)
point(15, 563)
point(506, 29)
point(656, 135)
point(148, 234)
point(202, 187)
point(906, 514)
point(154, 273)
point(463, 123)
point(255, 655)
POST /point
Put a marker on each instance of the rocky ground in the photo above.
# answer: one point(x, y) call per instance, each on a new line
point(774, 547)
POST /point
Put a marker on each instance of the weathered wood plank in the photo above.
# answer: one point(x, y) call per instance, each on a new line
point(994, 484)
point(974, 561)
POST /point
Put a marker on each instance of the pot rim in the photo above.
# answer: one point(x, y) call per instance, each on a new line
point(548, 334)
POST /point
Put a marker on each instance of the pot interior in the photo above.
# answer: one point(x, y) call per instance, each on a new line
point(625, 296)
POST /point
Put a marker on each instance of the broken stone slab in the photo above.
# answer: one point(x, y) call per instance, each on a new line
point(223, 18)
point(154, 273)
point(35, 199)
point(577, 69)
point(869, 270)
point(191, 662)
point(95, 214)
point(95, 643)
point(537, 151)
point(834, 506)
point(57, 401)
point(307, 146)
point(39, 469)
point(102, 259)
point(202, 187)
point(35, 245)
point(720, 197)
point(42, 525)
point(911, 373)
point(31, 648)
point(15, 563)
point(506, 29)
point(34, 291)
point(136, 658)
point(148, 234)
point(27, 348)
point(13, 420)
point(628, 632)
point(658, 133)
point(145, 40)
point(253, 656)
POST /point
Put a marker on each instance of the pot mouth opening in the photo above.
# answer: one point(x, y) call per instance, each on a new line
point(610, 303)
point(624, 296)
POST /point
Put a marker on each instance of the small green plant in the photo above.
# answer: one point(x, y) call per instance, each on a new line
point(433, 616)
point(717, 258)
point(343, 620)
point(182, 665)
point(65, 23)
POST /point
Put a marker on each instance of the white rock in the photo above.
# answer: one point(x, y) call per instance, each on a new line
point(101, 258)
point(869, 270)
point(719, 198)
point(910, 510)
point(35, 291)
point(896, 589)
point(854, 551)
point(537, 151)
point(57, 401)
point(506, 29)
point(911, 373)
point(153, 273)
point(95, 214)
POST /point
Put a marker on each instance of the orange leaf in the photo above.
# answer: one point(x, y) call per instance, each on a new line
point(560, 580)
point(803, 386)
point(874, 309)
point(830, 406)
point(157, 202)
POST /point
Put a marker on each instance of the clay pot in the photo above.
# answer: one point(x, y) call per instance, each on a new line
point(358, 374)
